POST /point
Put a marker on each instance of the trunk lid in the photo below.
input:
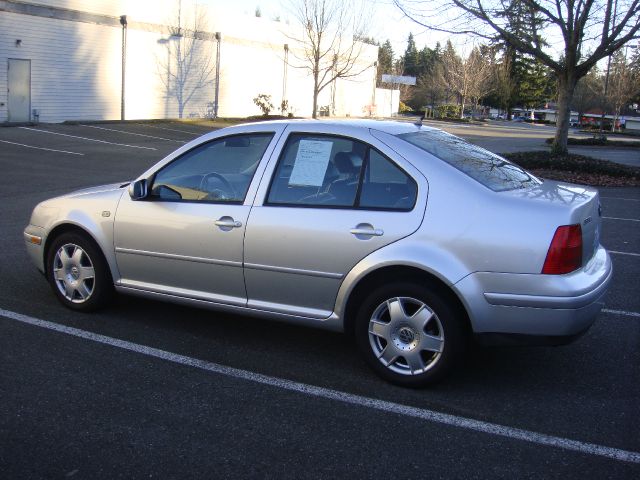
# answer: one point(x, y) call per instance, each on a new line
point(572, 204)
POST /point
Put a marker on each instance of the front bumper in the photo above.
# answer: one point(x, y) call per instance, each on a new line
point(530, 307)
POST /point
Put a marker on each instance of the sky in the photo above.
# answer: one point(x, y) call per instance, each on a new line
point(387, 22)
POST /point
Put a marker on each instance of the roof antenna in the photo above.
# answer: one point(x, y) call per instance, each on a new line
point(420, 120)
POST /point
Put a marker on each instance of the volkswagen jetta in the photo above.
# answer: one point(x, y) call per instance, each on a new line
point(409, 238)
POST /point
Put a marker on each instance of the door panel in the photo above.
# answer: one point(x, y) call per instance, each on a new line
point(176, 247)
point(19, 90)
point(185, 238)
point(309, 228)
point(296, 258)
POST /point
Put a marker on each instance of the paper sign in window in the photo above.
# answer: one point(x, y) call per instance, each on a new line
point(311, 163)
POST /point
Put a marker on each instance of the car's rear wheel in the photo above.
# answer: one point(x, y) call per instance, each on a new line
point(409, 335)
point(78, 273)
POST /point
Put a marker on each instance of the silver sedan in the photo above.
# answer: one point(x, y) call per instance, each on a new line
point(408, 238)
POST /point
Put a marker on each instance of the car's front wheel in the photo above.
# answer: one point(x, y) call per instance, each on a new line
point(78, 273)
point(408, 334)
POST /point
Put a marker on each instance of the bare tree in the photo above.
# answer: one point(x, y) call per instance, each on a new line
point(504, 84)
point(329, 46)
point(482, 66)
point(624, 84)
point(587, 93)
point(189, 65)
point(603, 26)
point(469, 78)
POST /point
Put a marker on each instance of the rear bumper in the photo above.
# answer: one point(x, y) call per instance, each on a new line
point(535, 308)
point(518, 339)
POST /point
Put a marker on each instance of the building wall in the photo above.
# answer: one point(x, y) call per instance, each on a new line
point(72, 74)
point(75, 48)
point(632, 125)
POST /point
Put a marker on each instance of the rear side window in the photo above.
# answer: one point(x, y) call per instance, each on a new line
point(339, 172)
point(487, 168)
point(386, 186)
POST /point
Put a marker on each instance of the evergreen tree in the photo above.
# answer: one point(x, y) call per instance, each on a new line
point(410, 58)
point(385, 60)
point(534, 83)
point(426, 60)
point(527, 77)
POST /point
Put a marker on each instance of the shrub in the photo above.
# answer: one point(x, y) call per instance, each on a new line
point(448, 111)
point(404, 108)
point(284, 107)
point(571, 163)
point(263, 101)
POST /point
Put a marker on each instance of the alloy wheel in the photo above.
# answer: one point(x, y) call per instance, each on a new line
point(73, 273)
point(406, 335)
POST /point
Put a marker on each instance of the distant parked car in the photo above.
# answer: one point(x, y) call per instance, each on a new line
point(409, 238)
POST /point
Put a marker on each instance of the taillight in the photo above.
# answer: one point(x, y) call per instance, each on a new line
point(565, 251)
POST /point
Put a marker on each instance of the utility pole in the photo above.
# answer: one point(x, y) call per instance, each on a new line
point(606, 78)
point(284, 76)
point(217, 93)
point(123, 22)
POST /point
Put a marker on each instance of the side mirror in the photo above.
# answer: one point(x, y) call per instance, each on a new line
point(138, 189)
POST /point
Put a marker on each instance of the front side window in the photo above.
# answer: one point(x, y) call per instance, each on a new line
point(217, 171)
point(328, 171)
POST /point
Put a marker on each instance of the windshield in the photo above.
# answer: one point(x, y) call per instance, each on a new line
point(485, 167)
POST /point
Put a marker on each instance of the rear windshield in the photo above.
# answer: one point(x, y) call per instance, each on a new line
point(485, 167)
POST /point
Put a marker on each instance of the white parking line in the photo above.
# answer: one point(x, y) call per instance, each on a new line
point(338, 396)
point(132, 133)
point(621, 312)
point(41, 148)
point(171, 129)
point(624, 253)
point(624, 219)
point(85, 138)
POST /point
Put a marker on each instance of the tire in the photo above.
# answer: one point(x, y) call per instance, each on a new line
point(409, 335)
point(78, 273)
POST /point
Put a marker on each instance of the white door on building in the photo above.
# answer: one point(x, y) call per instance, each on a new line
point(19, 90)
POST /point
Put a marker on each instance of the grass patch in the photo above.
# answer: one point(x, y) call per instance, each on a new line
point(577, 169)
point(599, 142)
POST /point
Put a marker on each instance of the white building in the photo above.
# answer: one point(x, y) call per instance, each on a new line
point(63, 60)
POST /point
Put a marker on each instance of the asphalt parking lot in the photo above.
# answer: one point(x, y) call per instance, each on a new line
point(508, 137)
point(157, 390)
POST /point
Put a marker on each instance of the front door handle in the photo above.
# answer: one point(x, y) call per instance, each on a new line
point(227, 223)
point(366, 230)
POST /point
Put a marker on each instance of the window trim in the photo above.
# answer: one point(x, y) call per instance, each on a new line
point(152, 179)
point(356, 202)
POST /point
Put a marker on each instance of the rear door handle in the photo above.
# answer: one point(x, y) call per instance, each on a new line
point(376, 232)
point(365, 230)
point(227, 223)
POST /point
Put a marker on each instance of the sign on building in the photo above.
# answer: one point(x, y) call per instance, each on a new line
point(399, 79)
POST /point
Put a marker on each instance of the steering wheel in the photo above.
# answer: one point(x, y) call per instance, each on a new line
point(228, 192)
